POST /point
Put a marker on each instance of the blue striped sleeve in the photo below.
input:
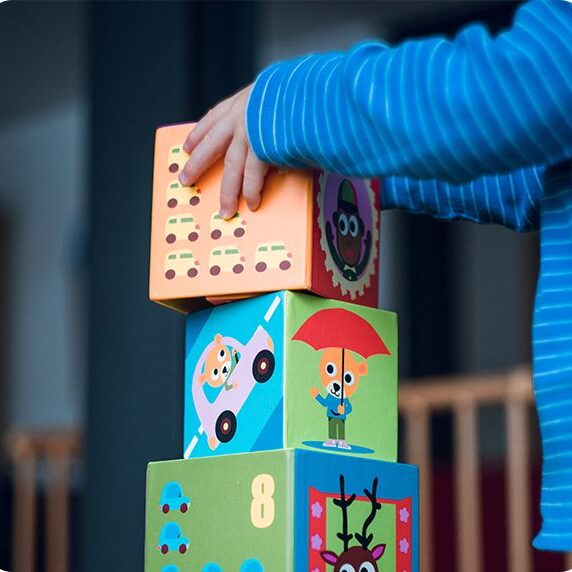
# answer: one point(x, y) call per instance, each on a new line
point(428, 109)
point(512, 200)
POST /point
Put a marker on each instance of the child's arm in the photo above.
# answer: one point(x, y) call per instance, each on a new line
point(510, 200)
point(429, 109)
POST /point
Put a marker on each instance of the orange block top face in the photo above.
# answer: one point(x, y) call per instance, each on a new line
point(196, 255)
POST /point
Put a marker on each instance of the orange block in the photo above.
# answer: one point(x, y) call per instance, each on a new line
point(314, 231)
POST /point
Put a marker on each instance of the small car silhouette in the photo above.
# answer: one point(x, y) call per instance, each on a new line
point(181, 263)
point(250, 565)
point(177, 158)
point(256, 365)
point(172, 498)
point(171, 538)
point(181, 227)
point(226, 259)
point(179, 195)
point(233, 227)
point(272, 255)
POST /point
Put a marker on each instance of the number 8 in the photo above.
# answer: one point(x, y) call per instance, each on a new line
point(262, 506)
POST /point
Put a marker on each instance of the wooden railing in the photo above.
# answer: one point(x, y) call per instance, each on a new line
point(53, 452)
point(463, 396)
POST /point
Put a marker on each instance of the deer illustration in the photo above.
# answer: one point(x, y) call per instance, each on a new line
point(356, 558)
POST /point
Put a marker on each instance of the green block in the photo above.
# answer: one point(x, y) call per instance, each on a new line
point(265, 373)
point(279, 511)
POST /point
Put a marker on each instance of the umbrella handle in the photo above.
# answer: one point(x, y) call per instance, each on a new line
point(342, 377)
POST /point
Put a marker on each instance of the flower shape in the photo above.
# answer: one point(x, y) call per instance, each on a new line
point(316, 542)
point(404, 546)
point(317, 510)
point(403, 515)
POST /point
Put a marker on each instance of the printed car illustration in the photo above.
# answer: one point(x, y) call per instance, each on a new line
point(183, 227)
point(250, 565)
point(179, 195)
point(171, 538)
point(233, 227)
point(256, 365)
point(272, 255)
point(176, 159)
point(181, 263)
point(226, 259)
point(172, 498)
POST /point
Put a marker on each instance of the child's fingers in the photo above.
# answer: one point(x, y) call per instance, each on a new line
point(213, 146)
point(205, 125)
point(213, 116)
point(196, 135)
point(232, 177)
point(254, 173)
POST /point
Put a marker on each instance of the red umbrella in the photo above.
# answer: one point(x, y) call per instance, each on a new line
point(339, 328)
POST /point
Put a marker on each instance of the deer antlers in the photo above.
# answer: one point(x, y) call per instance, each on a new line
point(364, 538)
point(344, 503)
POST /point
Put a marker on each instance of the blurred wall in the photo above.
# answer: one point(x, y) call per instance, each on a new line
point(43, 111)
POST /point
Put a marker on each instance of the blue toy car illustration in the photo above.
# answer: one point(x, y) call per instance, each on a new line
point(171, 538)
point(250, 565)
point(172, 498)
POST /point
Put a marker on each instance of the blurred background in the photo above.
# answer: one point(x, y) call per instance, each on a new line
point(91, 378)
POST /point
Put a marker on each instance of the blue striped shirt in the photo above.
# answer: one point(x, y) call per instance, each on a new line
point(478, 128)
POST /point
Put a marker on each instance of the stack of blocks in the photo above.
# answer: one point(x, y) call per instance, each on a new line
point(290, 431)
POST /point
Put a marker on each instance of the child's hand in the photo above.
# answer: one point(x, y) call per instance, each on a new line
point(314, 391)
point(341, 409)
point(222, 132)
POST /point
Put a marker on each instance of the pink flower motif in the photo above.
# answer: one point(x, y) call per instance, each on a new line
point(403, 515)
point(316, 542)
point(317, 510)
point(404, 546)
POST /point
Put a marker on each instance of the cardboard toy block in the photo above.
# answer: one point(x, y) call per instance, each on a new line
point(282, 511)
point(314, 231)
point(265, 373)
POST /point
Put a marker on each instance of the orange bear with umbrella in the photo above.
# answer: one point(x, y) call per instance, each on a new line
point(335, 331)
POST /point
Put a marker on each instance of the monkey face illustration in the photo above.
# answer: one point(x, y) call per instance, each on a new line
point(351, 247)
point(349, 225)
point(349, 236)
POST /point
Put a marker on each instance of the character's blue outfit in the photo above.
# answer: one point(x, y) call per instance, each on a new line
point(478, 128)
point(332, 403)
point(212, 393)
